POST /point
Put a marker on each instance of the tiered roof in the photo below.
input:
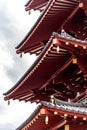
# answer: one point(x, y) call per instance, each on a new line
point(52, 71)
point(54, 116)
point(55, 15)
point(59, 37)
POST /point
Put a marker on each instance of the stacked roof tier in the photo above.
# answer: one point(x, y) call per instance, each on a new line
point(60, 70)
point(53, 18)
point(49, 116)
point(59, 38)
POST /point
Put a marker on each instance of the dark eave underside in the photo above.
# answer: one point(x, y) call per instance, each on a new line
point(55, 14)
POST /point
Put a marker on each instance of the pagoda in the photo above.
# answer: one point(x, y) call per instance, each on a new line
point(57, 80)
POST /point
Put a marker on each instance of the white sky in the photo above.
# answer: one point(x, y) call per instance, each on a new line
point(14, 25)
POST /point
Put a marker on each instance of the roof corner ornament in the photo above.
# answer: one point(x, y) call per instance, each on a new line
point(63, 33)
point(55, 40)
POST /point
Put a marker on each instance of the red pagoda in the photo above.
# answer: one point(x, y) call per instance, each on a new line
point(57, 81)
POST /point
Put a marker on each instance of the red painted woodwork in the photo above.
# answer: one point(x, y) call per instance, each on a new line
point(51, 20)
point(36, 4)
point(78, 127)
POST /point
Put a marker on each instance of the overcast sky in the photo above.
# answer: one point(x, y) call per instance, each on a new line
point(14, 25)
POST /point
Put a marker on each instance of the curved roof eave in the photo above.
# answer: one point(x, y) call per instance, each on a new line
point(41, 56)
point(62, 106)
point(49, 21)
point(31, 68)
point(28, 2)
point(36, 111)
point(26, 37)
point(33, 4)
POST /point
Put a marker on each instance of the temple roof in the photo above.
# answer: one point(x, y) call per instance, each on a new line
point(36, 71)
point(54, 16)
point(53, 65)
point(59, 113)
point(36, 4)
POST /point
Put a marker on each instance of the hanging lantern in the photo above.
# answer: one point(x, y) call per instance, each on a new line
point(8, 102)
point(46, 119)
point(67, 127)
point(29, 12)
point(55, 41)
point(21, 55)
